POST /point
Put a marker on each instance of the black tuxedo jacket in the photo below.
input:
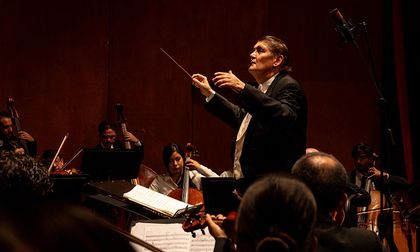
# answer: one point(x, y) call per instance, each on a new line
point(331, 237)
point(13, 142)
point(276, 135)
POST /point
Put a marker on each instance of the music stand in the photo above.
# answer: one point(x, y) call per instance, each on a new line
point(218, 194)
point(110, 164)
point(68, 187)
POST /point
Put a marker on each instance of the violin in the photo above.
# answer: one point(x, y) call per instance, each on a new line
point(15, 118)
point(186, 194)
point(198, 222)
point(122, 121)
point(68, 171)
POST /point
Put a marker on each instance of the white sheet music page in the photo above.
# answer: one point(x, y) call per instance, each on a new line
point(154, 200)
point(171, 237)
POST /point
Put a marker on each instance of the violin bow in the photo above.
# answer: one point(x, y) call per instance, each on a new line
point(71, 159)
point(58, 151)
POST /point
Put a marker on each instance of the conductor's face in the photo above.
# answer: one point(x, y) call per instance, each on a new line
point(176, 163)
point(261, 58)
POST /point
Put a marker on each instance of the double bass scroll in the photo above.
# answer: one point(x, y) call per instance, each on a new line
point(122, 120)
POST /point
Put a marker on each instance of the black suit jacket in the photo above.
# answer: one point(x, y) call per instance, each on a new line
point(13, 142)
point(276, 135)
point(331, 237)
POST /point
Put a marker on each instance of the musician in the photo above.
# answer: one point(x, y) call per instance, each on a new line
point(271, 121)
point(30, 221)
point(364, 159)
point(174, 160)
point(108, 138)
point(327, 179)
point(48, 156)
point(11, 142)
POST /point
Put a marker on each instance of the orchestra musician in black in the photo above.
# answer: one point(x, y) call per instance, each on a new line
point(108, 138)
point(380, 184)
point(21, 142)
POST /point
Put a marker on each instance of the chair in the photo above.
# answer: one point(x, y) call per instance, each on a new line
point(146, 176)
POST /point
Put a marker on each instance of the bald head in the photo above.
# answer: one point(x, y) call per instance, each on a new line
point(325, 176)
point(310, 150)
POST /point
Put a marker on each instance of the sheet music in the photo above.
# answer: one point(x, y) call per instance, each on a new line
point(155, 200)
point(171, 237)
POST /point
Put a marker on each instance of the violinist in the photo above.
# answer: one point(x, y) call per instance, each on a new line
point(59, 166)
point(47, 157)
point(11, 142)
point(174, 160)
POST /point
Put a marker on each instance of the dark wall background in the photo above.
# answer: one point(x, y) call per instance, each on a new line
point(66, 63)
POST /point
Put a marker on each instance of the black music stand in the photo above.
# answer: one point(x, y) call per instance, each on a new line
point(218, 194)
point(68, 187)
point(109, 164)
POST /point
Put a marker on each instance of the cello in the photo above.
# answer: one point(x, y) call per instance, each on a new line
point(186, 193)
point(369, 216)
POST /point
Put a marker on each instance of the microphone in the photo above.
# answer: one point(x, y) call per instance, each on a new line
point(345, 29)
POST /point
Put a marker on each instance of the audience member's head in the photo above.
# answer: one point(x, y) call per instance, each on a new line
point(276, 214)
point(325, 176)
point(310, 150)
point(46, 226)
point(32, 222)
point(22, 177)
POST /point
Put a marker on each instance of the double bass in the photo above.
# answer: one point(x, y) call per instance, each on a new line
point(127, 144)
point(122, 121)
point(15, 118)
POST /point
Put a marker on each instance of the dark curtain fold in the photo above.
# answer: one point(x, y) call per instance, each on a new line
point(410, 36)
point(396, 146)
